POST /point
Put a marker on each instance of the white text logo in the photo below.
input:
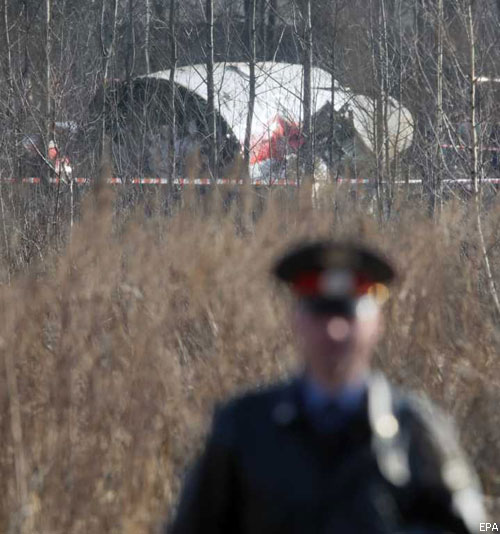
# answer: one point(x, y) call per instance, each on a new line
point(489, 527)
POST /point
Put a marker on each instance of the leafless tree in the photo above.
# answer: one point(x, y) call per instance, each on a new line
point(438, 188)
point(307, 97)
point(251, 6)
point(172, 108)
point(415, 53)
point(211, 116)
point(474, 153)
point(147, 36)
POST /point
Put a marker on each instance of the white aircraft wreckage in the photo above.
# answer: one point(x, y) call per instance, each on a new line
point(138, 120)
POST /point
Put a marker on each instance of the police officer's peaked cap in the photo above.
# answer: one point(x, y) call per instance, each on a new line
point(333, 269)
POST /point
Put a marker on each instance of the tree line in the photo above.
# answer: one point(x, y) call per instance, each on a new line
point(439, 58)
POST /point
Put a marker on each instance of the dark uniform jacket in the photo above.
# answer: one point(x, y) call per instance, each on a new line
point(266, 470)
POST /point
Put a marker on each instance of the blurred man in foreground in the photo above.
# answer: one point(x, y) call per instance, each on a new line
point(337, 449)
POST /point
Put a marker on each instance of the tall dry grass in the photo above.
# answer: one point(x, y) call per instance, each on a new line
point(117, 340)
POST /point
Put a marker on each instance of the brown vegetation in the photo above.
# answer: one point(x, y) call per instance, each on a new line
point(116, 341)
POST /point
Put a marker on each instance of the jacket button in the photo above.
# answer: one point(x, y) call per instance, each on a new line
point(284, 413)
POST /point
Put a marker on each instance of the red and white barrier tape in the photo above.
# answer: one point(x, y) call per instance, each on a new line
point(225, 181)
point(158, 181)
point(465, 147)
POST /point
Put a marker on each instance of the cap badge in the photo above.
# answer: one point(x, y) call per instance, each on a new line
point(336, 283)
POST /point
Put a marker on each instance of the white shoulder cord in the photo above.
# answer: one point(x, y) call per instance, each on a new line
point(391, 450)
point(388, 443)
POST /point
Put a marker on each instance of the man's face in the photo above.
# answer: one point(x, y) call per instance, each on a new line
point(336, 349)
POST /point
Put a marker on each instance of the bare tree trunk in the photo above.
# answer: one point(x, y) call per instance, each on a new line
point(472, 107)
point(49, 125)
point(271, 27)
point(333, 66)
point(11, 114)
point(130, 50)
point(397, 159)
point(8, 49)
point(5, 234)
point(251, 99)
point(474, 155)
point(377, 122)
point(332, 147)
point(262, 51)
point(71, 202)
point(107, 51)
point(147, 36)
point(211, 117)
point(438, 186)
point(307, 100)
point(384, 89)
point(379, 158)
point(48, 66)
point(26, 63)
point(172, 92)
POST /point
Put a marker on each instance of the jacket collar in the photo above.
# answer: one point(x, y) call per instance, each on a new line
point(287, 408)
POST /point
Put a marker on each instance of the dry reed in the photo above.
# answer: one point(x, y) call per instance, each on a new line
point(116, 342)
